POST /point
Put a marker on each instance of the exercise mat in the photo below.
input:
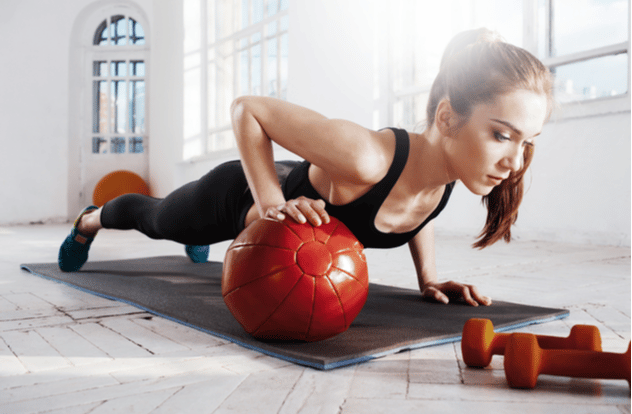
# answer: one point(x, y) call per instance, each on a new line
point(393, 319)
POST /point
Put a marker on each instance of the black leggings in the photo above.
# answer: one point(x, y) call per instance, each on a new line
point(209, 210)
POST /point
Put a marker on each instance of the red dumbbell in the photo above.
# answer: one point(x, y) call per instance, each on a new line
point(525, 360)
point(480, 342)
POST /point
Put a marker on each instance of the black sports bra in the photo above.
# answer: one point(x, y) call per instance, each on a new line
point(359, 215)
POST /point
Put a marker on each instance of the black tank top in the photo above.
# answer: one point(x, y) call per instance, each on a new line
point(359, 215)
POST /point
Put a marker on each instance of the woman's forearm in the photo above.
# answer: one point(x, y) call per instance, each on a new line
point(423, 255)
point(256, 154)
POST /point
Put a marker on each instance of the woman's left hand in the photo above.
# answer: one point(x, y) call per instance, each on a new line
point(446, 291)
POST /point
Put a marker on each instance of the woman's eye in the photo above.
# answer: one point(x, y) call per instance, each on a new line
point(501, 137)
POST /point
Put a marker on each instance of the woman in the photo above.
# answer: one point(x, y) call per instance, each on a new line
point(486, 106)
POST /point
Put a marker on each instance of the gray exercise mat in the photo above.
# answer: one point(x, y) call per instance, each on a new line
point(392, 320)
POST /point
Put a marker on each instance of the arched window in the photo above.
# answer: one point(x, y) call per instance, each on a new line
point(118, 71)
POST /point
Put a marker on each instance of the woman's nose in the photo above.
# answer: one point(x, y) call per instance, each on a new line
point(514, 159)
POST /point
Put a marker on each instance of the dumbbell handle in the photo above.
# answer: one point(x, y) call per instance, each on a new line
point(525, 360)
point(499, 343)
point(585, 364)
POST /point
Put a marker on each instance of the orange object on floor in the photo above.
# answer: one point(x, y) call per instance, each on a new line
point(525, 361)
point(116, 184)
point(479, 341)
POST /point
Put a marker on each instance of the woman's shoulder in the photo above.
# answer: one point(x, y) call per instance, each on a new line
point(372, 154)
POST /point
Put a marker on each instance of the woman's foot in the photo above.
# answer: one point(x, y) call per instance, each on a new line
point(197, 254)
point(73, 252)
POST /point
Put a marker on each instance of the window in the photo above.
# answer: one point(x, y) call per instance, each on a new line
point(118, 87)
point(585, 43)
point(232, 48)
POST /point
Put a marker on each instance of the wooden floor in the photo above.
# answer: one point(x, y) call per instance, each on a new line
point(65, 351)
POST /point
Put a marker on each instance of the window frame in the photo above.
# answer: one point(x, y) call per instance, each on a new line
point(214, 47)
point(583, 108)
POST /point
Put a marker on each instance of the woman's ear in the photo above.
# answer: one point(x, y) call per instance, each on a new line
point(445, 118)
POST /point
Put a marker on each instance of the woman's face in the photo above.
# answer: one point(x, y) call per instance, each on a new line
point(490, 145)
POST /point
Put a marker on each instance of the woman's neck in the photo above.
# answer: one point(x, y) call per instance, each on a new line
point(429, 166)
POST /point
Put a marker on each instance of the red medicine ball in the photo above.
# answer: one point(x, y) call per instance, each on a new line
point(291, 281)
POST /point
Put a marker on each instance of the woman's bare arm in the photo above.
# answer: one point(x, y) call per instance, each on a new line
point(423, 254)
point(344, 150)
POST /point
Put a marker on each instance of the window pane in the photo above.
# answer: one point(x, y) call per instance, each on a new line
point(97, 145)
point(272, 67)
point(136, 33)
point(137, 107)
point(273, 7)
point(118, 32)
point(256, 69)
point(119, 100)
point(245, 13)
point(137, 67)
point(284, 55)
point(221, 141)
point(101, 35)
point(271, 28)
point(285, 23)
point(284, 4)
point(117, 145)
point(212, 95)
point(542, 35)
point(502, 16)
point(409, 112)
point(118, 68)
point(257, 11)
point(244, 84)
point(136, 145)
point(577, 81)
point(99, 107)
point(100, 68)
point(588, 24)
point(226, 87)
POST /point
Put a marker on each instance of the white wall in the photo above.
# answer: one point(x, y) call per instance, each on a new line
point(34, 108)
point(165, 106)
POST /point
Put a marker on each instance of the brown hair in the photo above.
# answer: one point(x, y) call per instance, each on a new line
point(476, 67)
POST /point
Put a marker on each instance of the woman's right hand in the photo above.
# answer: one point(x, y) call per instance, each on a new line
point(301, 209)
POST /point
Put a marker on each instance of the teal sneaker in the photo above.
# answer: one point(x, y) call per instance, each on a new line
point(73, 252)
point(197, 254)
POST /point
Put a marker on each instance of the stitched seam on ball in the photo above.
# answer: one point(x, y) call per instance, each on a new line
point(295, 233)
point(261, 277)
point(347, 250)
point(344, 313)
point(311, 315)
point(348, 274)
point(262, 245)
point(332, 232)
point(279, 305)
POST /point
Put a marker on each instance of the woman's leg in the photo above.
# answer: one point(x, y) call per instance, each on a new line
point(202, 212)
point(90, 223)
